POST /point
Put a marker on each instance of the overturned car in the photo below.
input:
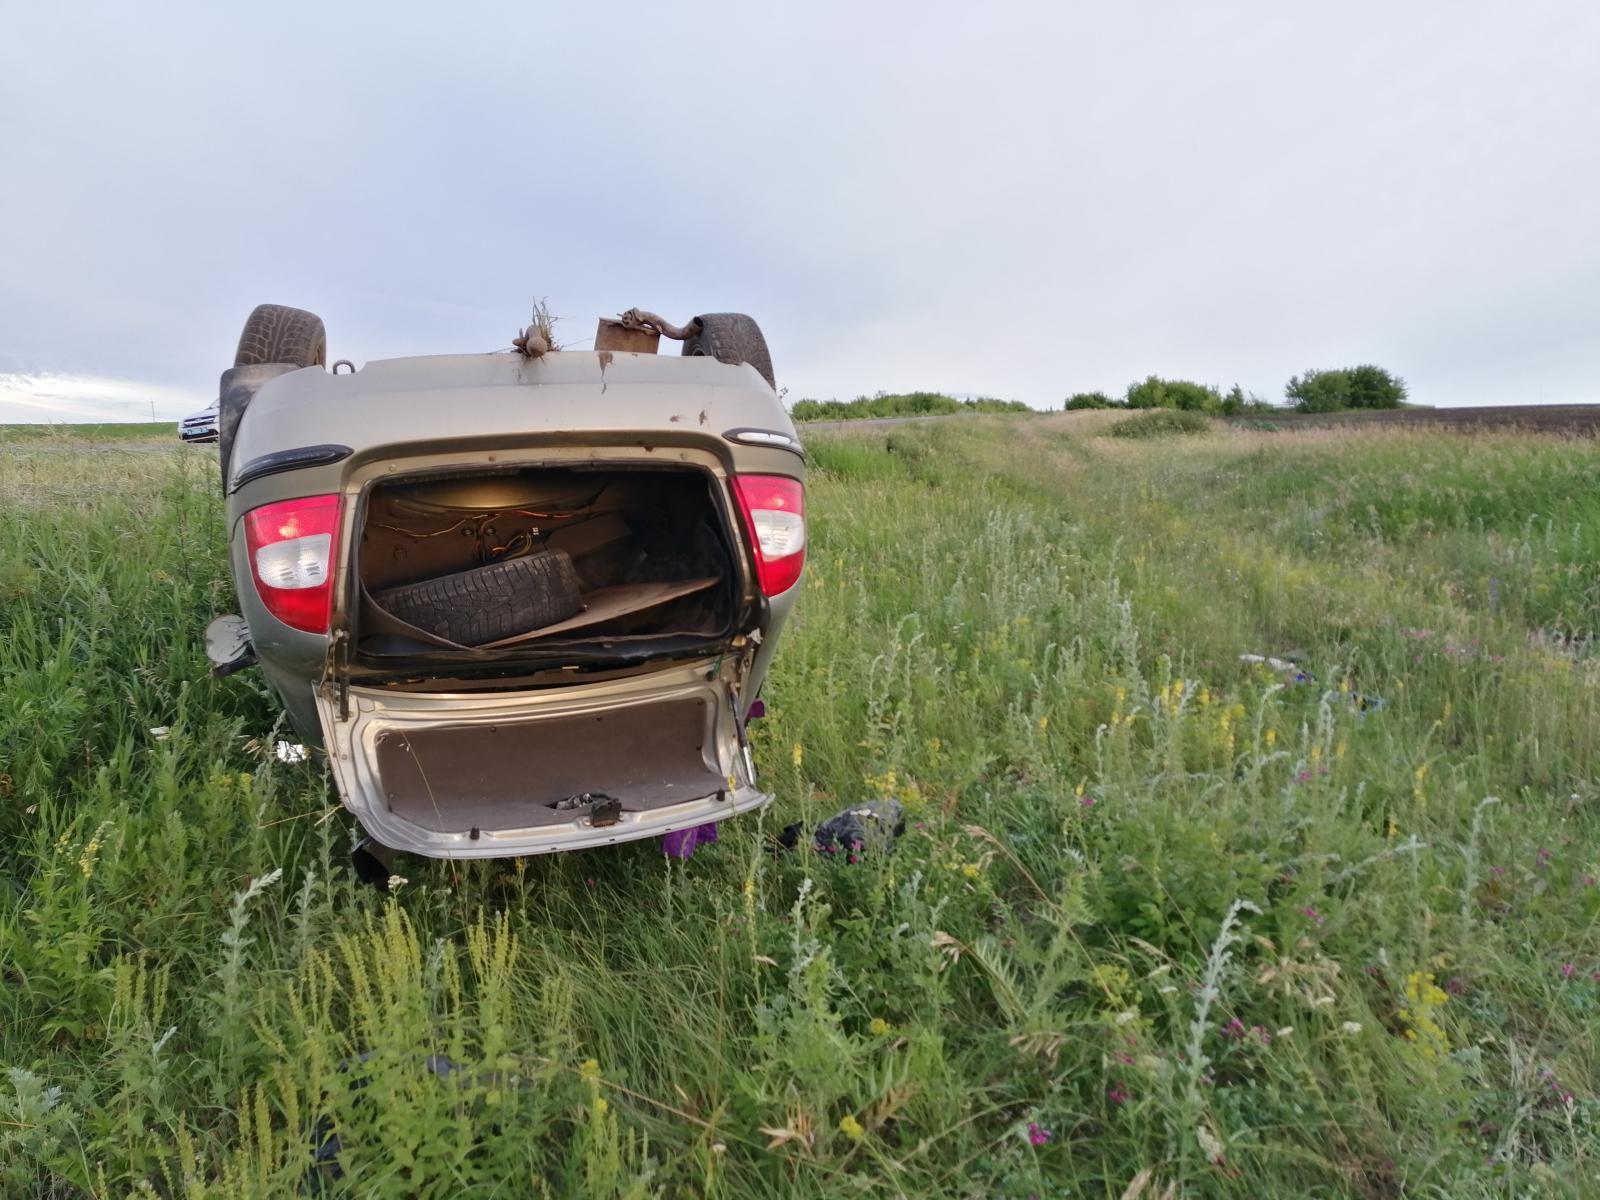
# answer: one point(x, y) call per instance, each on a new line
point(524, 600)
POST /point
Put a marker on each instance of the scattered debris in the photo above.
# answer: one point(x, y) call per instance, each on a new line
point(290, 752)
point(160, 732)
point(538, 339)
point(873, 825)
point(681, 843)
point(1289, 669)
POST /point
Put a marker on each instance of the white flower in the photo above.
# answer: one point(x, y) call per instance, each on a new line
point(1351, 1027)
point(1286, 1031)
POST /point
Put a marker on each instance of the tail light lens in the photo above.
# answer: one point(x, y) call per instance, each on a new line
point(774, 508)
point(291, 547)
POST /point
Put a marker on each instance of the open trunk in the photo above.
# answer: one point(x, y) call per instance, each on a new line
point(582, 558)
point(438, 753)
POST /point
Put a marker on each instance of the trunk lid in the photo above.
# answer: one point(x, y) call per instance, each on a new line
point(493, 773)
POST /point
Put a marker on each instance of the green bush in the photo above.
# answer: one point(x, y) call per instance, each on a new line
point(1156, 392)
point(1373, 387)
point(1160, 423)
point(1363, 387)
point(904, 404)
point(1083, 400)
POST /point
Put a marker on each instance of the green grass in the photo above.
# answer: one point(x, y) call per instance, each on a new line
point(906, 404)
point(1212, 929)
point(1159, 422)
point(103, 431)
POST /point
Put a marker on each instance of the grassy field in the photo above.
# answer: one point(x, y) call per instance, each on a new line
point(1164, 922)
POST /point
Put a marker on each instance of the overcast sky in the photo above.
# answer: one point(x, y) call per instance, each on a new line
point(1009, 199)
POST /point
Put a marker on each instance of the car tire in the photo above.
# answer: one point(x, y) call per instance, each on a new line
point(731, 338)
point(274, 335)
point(488, 603)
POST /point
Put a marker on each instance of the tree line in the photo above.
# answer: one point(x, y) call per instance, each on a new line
point(1316, 391)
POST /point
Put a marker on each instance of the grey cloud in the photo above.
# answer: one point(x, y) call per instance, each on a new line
point(1021, 200)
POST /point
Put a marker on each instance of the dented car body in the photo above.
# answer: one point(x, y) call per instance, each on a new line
point(525, 603)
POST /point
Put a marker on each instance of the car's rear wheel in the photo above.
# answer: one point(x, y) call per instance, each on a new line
point(731, 338)
point(488, 603)
point(276, 333)
point(273, 334)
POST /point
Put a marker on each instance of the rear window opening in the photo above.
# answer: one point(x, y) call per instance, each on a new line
point(544, 561)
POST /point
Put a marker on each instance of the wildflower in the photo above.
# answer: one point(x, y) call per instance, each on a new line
point(797, 755)
point(1423, 999)
point(1086, 801)
point(590, 1068)
point(1044, 724)
point(1544, 855)
point(1312, 915)
point(1039, 1135)
point(1272, 737)
point(1350, 1028)
point(1303, 777)
point(851, 1128)
point(877, 1027)
point(1286, 1031)
point(1234, 1028)
point(588, 883)
point(1567, 970)
point(970, 870)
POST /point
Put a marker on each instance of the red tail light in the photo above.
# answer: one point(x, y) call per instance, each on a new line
point(774, 508)
point(291, 546)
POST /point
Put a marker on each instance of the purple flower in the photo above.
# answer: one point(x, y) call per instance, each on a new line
point(1235, 1028)
point(1303, 777)
point(1038, 1134)
point(1567, 970)
point(1086, 801)
point(1312, 915)
point(1117, 1094)
point(1545, 855)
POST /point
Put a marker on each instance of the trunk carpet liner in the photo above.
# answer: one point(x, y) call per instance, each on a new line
point(507, 776)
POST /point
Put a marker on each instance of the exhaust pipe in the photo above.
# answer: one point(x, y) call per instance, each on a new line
point(373, 862)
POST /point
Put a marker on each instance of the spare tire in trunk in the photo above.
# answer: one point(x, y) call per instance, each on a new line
point(488, 603)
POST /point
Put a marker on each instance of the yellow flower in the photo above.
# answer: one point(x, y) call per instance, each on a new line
point(1272, 737)
point(970, 870)
point(877, 1027)
point(1044, 723)
point(589, 1069)
point(851, 1128)
point(797, 755)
